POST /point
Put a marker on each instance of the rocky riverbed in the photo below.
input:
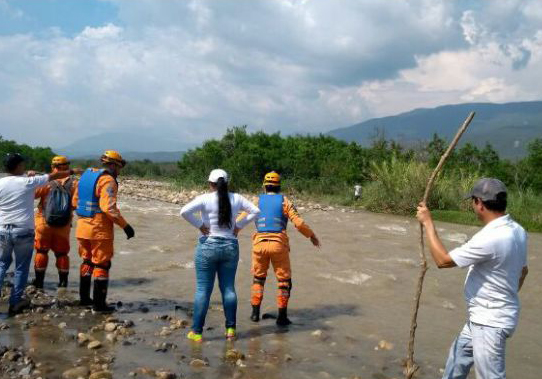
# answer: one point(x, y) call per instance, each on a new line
point(166, 192)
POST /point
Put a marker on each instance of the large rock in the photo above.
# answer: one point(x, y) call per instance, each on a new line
point(101, 375)
point(94, 345)
point(76, 373)
point(110, 327)
point(165, 375)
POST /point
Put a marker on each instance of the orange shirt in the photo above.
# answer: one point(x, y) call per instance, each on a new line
point(290, 211)
point(41, 193)
point(100, 227)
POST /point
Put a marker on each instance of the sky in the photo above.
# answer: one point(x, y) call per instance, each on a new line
point(185, 71)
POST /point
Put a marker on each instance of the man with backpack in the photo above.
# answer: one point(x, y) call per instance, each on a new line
point(95, 202)
point(17, 222)
point(53, 224)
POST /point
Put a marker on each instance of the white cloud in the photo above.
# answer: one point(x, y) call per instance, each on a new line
point(190, 69)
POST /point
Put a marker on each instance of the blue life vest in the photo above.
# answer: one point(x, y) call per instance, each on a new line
point(271, 218)
point(88, 204)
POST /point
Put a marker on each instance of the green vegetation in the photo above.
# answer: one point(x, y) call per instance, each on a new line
point(393, 179)
point(325, 169)
point(37, 158)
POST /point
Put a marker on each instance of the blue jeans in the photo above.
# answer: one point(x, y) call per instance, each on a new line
point(215, 256)
point(481, 345)
point(18, 241)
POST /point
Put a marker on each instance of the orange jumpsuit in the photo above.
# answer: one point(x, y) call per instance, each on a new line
point(51, 237)
point(275, 248)
point(95, 234)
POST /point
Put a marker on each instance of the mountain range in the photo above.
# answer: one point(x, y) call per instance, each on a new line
point(133, 146)
point(508, 127)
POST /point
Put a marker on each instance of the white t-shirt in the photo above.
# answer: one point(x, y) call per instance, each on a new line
point(495, 256)
point(357, 190)
point(207, 207)
point(17, 199)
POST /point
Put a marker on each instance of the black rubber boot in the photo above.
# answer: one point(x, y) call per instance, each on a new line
point(282, 319)
point(63, 279)
point(84, 290)
point(38, 281)
point(100, 295)
point(255, 316)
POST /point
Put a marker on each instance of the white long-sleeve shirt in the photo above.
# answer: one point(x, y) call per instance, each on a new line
point(207, 207)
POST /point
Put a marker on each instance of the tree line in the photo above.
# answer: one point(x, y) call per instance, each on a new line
point(323, 163)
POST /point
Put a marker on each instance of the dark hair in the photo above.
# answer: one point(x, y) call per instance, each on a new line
point(11, 161)
point(498, 205)
point(224, 205)
point(275, 189)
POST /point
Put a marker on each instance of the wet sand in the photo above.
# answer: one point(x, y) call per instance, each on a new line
point(351, 305)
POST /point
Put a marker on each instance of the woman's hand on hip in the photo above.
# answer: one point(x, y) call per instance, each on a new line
point(204, 229)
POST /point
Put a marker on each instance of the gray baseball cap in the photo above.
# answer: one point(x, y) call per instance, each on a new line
point(487, 189)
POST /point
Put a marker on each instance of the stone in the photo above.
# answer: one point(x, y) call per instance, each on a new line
point(12, 356)
point(318, 333)
point(110, 327)
point(76, 373)
point(94, 345)
point(165, 332)
point(145, 371)
point(198, 363)
point(25, 371)
point(384, 345)
point(82, 338)
point(128, 323)
point(165, 375)
point(288, 357)
point(62, 325)
point(101, 375)
point(111, 337)
point(234, 355)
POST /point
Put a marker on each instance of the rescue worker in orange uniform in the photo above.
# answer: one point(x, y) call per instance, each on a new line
point(270, 244)
point(56, 238)
point(95, 201)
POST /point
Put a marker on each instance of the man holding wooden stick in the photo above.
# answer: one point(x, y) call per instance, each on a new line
point(497, 261)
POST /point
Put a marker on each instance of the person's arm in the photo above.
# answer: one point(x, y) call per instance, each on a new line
point(291, 212)
point(107, 189)
point(524, 273)
point(188, 212)
point(244, 214)
point(75, 197)
point(64, 174)
point(251, 210)
point(438, 251)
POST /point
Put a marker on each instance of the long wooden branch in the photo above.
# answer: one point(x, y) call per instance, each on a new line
point(411, 367)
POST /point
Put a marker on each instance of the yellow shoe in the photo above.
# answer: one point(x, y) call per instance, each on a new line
point(230, 334)
point(194, 337)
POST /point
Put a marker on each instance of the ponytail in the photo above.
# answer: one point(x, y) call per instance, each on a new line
point(224, 205)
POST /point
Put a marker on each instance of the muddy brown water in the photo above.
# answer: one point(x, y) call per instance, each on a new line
point(347, 297)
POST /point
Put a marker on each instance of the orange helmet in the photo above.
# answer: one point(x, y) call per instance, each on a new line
point(112, 156)
point(59, 160)
point(271, 179)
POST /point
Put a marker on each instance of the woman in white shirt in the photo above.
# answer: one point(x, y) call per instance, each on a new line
point(217, 252)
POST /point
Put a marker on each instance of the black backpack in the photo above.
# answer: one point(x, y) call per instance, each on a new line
point(58, 206)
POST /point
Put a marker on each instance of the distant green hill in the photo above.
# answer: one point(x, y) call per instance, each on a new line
point(507, 127)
